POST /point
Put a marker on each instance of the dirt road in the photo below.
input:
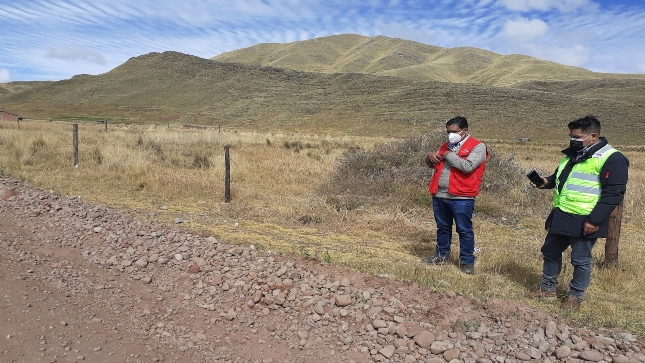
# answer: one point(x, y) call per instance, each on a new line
point(81, 282)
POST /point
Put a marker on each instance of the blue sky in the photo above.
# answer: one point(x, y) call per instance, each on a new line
point(56, 39)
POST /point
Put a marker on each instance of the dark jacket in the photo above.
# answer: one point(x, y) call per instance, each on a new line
point(613, 182)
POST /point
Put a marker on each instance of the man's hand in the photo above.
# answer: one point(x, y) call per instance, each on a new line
point(588, 228)
point(432, 158)
point(544, 182)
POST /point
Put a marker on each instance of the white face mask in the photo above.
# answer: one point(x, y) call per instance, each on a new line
point(454, 137)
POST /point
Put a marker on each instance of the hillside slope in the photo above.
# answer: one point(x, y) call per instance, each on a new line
point(382, 55)
point(171, 86)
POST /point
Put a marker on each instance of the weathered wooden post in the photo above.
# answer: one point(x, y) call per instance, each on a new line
point(227, 175)
point(613, 235)
point(75, 143)
point(105, 125)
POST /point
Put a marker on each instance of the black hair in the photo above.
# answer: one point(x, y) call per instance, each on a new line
point(459, 121)
point(587, 124)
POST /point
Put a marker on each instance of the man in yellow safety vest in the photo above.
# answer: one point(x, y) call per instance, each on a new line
point(588, 184)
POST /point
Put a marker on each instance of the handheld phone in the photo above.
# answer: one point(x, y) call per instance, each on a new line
point(535, 178)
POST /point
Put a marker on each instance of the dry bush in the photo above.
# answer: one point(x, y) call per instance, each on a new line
point(388, 171)
point(396, 171)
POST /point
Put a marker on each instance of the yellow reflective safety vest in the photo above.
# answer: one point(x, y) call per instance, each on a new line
point(581, 191)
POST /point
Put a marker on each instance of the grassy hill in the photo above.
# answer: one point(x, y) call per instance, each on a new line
point(628, 91)
point(179, 88)
point(403, 58)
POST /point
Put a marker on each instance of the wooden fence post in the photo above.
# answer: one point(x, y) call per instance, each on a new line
point(75, 143)
point(613, 235)
point(227, 177)
point(106, 125)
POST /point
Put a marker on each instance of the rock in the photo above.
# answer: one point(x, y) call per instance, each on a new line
point(551, 328)
point(343, 300)
point(378, 323)
point(401, 331)
point(523, 356)
point(193, 269)
point(398, 343)
point(141, 263)
point(425, 340)
point(562, 352)
point(10, 193)
point(590, 355)
point(451, 354)
point(605, 340)
point(620, 359)
point(387, 351)
point(319, 308)
point(439, 347)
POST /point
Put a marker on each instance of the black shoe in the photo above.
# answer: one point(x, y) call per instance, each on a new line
point(435, 260)
point(467, 269)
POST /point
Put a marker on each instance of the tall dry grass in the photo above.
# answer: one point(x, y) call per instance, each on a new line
point(360, 202)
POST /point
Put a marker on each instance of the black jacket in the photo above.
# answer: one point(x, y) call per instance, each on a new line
point(613, 182)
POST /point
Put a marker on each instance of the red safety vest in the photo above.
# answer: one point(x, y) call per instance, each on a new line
point(461, 184)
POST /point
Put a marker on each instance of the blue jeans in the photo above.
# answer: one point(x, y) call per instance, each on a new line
point(461, 211)
point(554, 245)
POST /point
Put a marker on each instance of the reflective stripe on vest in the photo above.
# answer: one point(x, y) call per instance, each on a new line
point(582, 188)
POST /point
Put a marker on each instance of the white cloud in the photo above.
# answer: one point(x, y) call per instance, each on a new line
point(4, 75)
point(77, 53)
point(546, 5)
point(576, 55)
point(41, 32)
point(522, 29)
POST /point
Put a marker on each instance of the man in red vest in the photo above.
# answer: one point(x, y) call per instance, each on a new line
point(458, 169)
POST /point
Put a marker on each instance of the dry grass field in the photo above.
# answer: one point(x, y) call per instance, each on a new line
point(355, 201)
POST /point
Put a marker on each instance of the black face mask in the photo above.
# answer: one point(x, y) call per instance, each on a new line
point(575, 145)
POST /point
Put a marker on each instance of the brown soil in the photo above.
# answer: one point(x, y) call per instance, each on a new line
point(81, 282)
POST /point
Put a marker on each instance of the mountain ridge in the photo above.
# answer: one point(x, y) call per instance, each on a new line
point(381, 55)
point(171, 86)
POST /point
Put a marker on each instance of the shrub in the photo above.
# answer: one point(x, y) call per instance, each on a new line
point(97, 155)
point(385, 170)
point(37, 151)
point(153, 146)
point(396, 174)
point(201, 160)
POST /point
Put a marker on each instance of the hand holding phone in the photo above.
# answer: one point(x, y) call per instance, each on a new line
point(535, 178)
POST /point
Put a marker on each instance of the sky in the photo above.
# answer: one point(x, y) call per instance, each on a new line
point(45, 40)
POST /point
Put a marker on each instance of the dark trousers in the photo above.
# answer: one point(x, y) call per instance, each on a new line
point(554, 245)
point(461, 212)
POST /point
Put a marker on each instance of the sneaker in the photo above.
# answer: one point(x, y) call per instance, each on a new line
point(435, 260)
point(467, 269)
point(571, 303)
point(540, 294)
